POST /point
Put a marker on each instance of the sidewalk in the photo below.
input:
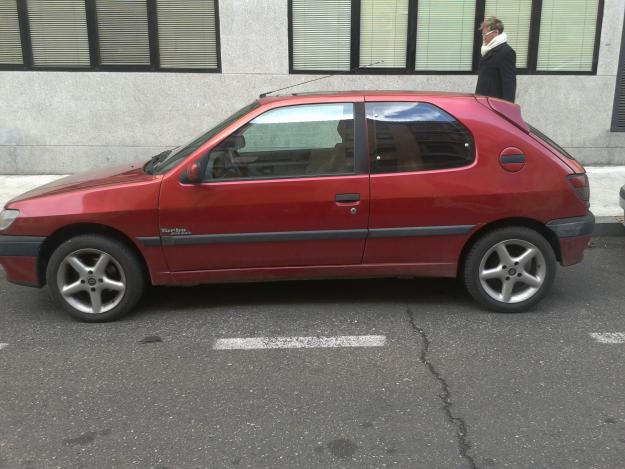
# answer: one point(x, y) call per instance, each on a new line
point(605, 182)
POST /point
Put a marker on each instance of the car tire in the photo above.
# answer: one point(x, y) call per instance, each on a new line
point(95, 278)
point(510, 269)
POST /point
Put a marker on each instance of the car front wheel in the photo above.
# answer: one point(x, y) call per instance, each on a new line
point(510, 269)
point(95, 278)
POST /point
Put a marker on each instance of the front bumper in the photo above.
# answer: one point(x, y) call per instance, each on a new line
point(18, 256)
point(573, 235)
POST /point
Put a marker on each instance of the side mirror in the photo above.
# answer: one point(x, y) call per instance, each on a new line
point(194, 173)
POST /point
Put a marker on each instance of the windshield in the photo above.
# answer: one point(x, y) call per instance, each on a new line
point(548, 141)
point(185, 150)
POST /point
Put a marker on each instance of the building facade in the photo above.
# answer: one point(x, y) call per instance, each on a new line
point(88, 83)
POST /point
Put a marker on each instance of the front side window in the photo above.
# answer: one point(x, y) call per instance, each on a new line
point(415, 137)
point(293, 141)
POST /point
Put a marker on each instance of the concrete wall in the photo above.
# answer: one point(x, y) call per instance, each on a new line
point(62, 122)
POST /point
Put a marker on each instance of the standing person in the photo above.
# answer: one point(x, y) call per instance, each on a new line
point(497, 68)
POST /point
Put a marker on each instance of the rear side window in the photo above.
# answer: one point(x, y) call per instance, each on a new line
point(415, 137)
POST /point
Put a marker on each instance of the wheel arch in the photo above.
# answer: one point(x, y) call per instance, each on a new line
point(70, 231)
point(535, 225)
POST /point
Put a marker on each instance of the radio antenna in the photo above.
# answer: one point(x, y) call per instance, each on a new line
point(264, 95)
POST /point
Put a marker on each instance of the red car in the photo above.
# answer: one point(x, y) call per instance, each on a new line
point(350, 184)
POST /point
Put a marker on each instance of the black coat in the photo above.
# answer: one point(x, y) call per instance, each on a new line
point(497, 73)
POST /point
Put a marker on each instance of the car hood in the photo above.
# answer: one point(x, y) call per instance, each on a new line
point(126, 174)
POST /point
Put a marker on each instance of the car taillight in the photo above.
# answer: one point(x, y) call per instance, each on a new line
point(580, 185)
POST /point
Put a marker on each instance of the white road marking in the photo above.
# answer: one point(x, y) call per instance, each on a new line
point(3, 346)
point(609, 337)
point(254, 343)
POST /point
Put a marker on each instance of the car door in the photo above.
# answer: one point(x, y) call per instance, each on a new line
point(421, 209)
point(286, 189)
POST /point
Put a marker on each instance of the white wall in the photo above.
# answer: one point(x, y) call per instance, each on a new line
point(61, 122)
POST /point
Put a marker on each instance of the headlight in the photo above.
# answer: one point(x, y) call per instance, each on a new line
point(7, 217)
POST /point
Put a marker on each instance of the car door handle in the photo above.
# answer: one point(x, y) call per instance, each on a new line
point(347, 198)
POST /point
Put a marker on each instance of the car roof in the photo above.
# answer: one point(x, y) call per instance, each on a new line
point(361, 93)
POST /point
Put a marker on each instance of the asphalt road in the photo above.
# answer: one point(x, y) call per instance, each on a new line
point(452, 387)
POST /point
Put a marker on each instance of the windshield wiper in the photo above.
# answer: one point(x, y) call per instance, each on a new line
point(156, 159)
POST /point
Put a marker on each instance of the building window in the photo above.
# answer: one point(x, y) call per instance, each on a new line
point(321, 34)
point(142, 35)
point(517, 22)
point(10, 44)
point(440, 36)
point(187, 33)
point(445, 32)
point(383, 33)
point(618, 111)
point(58, 33)
point(123, 32)
point(567, 35)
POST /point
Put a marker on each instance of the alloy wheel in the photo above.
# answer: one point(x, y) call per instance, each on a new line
point(91, 281)
point(512, 271)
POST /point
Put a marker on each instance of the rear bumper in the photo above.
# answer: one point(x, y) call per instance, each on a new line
point(573, 227)
point(574, 235)
point(18, 256)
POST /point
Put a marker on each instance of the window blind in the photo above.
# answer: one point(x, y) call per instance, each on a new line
point(567, 35)
point(123, 32)
point(618, 111)
point(445, 32)
point(383, 33)
point(187, 33)
point(516, 18)
point(10, 42)
point(58, 31)
point(321, 34)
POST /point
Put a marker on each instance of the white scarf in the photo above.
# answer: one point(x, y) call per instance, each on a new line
point(499, 39)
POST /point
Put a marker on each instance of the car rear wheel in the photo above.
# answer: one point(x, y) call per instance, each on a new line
point(510, 269)
point(95, 278)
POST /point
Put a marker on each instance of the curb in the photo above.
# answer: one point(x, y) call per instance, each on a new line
point(609, 226)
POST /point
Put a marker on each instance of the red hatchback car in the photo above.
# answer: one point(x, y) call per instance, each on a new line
point(350, 184)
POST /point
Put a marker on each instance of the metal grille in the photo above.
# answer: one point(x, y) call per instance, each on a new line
point(123, 32)
point(187, 34)
point(58, 31)
point(10, 43)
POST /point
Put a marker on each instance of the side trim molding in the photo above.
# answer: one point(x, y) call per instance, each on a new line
point(263, 237)
point(25, 246)
point(420, 231)
point(149, 241)
point(268, 237)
